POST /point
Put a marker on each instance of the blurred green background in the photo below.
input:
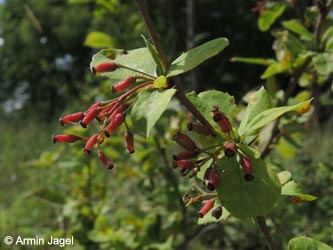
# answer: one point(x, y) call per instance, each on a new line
point(46, 189)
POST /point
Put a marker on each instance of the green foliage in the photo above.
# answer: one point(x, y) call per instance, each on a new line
point(84, 199)
point(196, 56)
point(129, 58)
point(98, 40)
point(247, 199)
point(274, 11)
point(149, 107)
point(307, 243)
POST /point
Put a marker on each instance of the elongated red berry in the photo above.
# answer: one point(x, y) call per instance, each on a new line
point(119, 109)
point(207, 206)
point(213, 179)
point(91, 114)
point(230, 149)
point(65, 138)
point(221, 120)
point(114, 124)
point(217, 212)
point(185, 141)
point(104, 67)
point(105, 160)
point(200, 129)
point(127, 82)
point(71, 118)
point(247, 167)
point(183, 164)
point(129, 139)
point(185, 155)
point(90, 144)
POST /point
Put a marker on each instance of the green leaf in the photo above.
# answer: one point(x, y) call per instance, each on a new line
point(252, 60)
point(196, 56)
point(249, 151)
point(247, 199)
point(98, 40)
point(50, 196)
point(306, 243)
point(327, 39)
point(270, 115)
point(205, 101)
point(267, 19)
point(208, 218)
point(284, 177)
point(149, 107)
point(273, 69)
point(292, 188)
point(295, 26)
point(153, 51)
point(323, 63)
point(259, 102)
point(145, 63)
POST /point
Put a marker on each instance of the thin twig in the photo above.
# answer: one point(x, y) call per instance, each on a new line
point(321, 19)
point(265, 230)
point(180, 95)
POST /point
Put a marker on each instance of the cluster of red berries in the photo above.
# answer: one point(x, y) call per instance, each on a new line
point(111, 114)
point(191, 160)
point(187, 160)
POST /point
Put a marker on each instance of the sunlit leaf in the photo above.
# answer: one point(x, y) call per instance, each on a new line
point(196, 56)
point(270, 115)
point(267, 19)
point(306, 243)
point(98, 40)
point(284, 177)
point(297, 27)
point(205, 101)
point(149, 107)
point(292, 188)
point(128, 58)
point(153, 51)
point(273, 69)
point(258, 102)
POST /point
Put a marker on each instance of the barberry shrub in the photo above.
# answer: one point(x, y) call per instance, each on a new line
point(224, 145)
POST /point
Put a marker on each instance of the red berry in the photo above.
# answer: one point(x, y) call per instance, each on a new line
point(217, 212)
point(117, 110)
point(221, 120)
point(230, 149)
point(185, 141)
point(129, 138)
point(213, 179)
point(105, 160)
point(92, 113)
point(200, 129)
point(104, 67)
point(71, 118)
point(183, 164)
point(247, 167)
point(185, 155)
point(90, 144)
point(207, 206)
point(114, 124)
point(65, 138)
point(128, 81)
